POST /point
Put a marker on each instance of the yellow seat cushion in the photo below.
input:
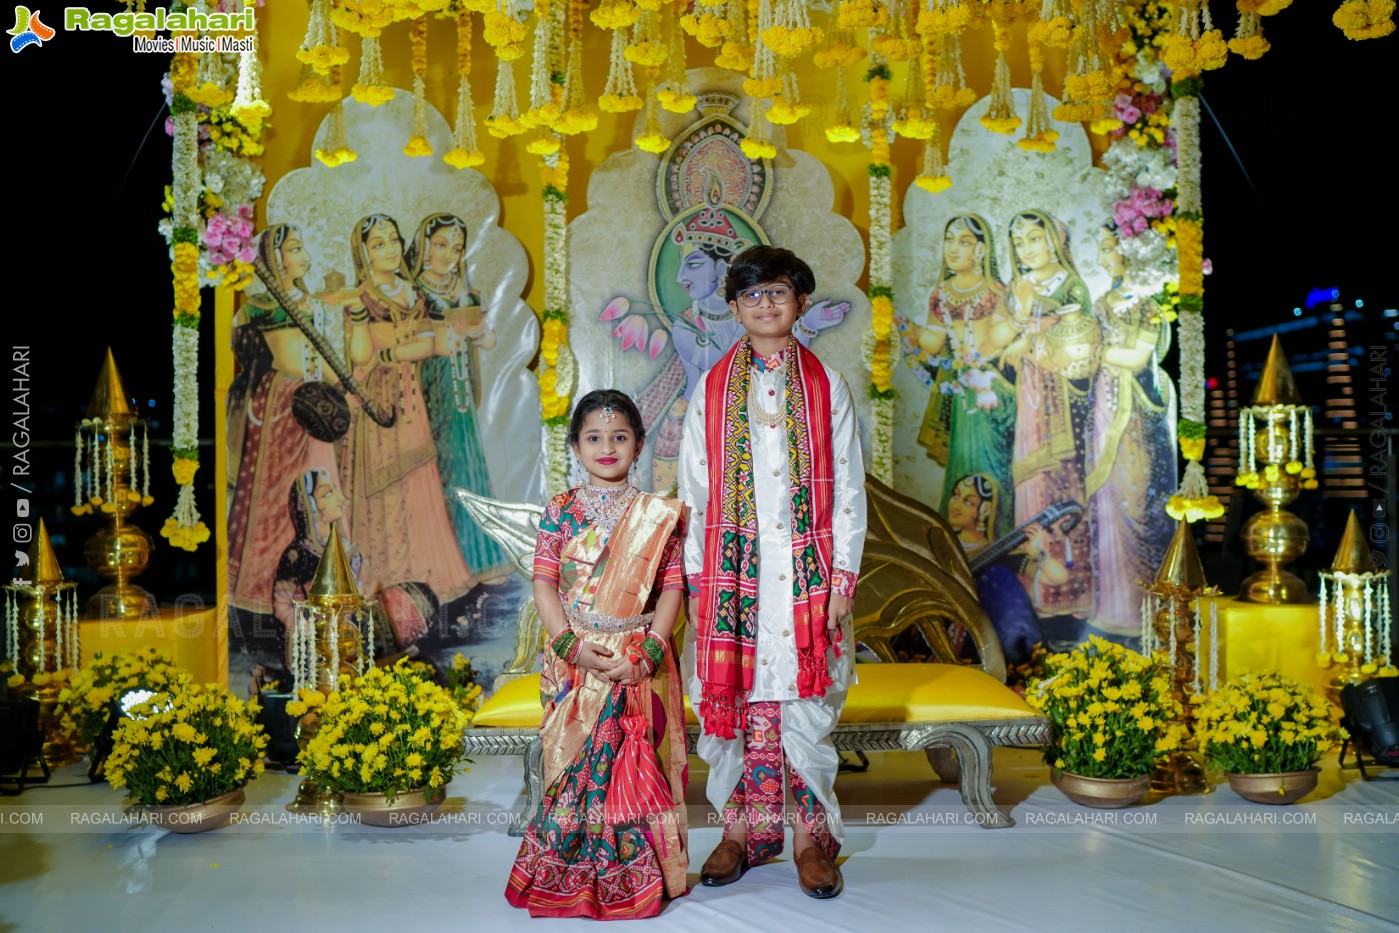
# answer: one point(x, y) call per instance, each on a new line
point(930, 693)
point(514, 706)
point(885, 693)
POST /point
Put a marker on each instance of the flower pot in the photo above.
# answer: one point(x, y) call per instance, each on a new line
point(407, 808)
point(1284, 787)
point(198, 817)
point(1106, 793)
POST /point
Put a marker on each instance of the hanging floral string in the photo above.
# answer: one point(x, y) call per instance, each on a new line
point(465, 153)
point(619, 96)
point(418, 144)
point(878, 345)
point(370, 88)
point(557, 371)
point(1364, 19)
point(675, 95)
point(184, 529)
point(321, 49)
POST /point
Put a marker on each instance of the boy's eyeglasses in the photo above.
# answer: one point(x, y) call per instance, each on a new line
point(751, 297)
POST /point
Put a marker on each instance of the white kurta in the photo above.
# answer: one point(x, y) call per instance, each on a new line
point(806, 723)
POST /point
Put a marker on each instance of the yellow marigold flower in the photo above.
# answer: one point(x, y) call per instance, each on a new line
point(1250, 47)
point(1040, 142)
point(459, 158)
point(1054, 33)
point(1365, 19)
point(709, 30)
point(210, 95)
point(916, 125)
point(933, 184)
point(501, 30)
point(615, 14)
point(784, 112)
point(1211, 50)
point(843, 133)
point(862, 14)
point(371, 94)
point(575, 121)
point(15, 680)
point(762, 87)
point(323, 57)
point(417, 146)
point(1001, 124)
point(618, 103)
point(735, 56)
point(757, 149)
point(951, 20)
point(839, 54)
point(1263, 7)
point(895, 48)
point(657, 143)
point(503, 126)
point(647, 54)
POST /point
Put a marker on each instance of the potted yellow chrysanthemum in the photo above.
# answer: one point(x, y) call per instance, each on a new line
point(388, 742)
point(1113, 718)
point(1266, 732)
point(185, 755)
point(85, 702)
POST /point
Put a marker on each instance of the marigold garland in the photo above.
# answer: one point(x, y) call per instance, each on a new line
point(556, 368)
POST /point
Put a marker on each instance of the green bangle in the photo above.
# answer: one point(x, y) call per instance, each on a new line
point(654, 648)
point(563, 644)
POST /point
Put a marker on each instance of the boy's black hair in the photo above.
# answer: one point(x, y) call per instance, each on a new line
point(604, 398)
point(759, 264)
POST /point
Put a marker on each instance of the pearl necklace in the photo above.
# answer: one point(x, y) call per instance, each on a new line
point(604, 506)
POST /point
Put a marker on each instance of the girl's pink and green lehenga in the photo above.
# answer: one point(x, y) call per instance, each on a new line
point(574, 862)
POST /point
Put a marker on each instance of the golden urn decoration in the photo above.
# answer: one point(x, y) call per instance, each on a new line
point(1355, 623)
point(1275, 461)
point(1172, 623)
point(41, 640)
point(111, 477)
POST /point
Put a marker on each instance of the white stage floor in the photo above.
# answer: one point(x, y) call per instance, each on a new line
point(911, 862)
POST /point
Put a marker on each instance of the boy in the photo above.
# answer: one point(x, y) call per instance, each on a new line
point(770, 466)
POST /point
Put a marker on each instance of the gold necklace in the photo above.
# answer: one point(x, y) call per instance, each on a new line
point(758, 415)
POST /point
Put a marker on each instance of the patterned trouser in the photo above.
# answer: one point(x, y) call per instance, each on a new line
point(760, 795)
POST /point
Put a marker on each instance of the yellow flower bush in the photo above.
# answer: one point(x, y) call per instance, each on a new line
point(388, 732)
point(1111, 710)
point(1265, 724)
point(190, 745)
point(84, 704)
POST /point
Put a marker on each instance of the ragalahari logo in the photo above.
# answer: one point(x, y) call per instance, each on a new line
point(29, 30)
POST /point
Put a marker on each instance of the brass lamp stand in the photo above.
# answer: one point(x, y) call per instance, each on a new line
point(107, 468)
point(41, 631)
point(1356, 625)
point(1275, 461)
point(1171, 622)
point(332, 637)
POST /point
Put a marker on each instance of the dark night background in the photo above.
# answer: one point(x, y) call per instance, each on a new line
point(1297, 191)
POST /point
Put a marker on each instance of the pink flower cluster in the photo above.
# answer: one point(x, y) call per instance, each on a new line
point(230, 236)
point(1135, 212)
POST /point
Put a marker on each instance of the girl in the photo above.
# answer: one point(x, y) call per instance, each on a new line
point(609, 839)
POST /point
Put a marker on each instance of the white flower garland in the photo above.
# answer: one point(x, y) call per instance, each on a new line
point(186, 415)
point(1186, 118)
point(1192, 365)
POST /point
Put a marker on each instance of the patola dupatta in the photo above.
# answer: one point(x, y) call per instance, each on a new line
point(727, 628)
